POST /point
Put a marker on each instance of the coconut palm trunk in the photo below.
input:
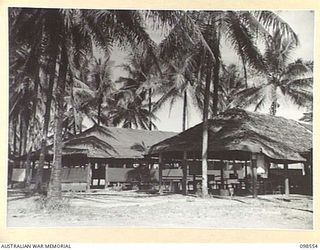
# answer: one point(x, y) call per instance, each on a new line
point(184, 114)
point(32, 126)
point(244, 71)
point(52, 70)
point(216, 70)
point(14, 124)
point(23, 138)
point(74, 111)
point(274, 103)
point(25, 135)
point(54, 189)
point(205, 132)
point(150, 108)
point(20, 135)
point(100, 95)
point(99, 108)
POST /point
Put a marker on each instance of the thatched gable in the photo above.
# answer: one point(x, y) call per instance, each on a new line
point(238, 130)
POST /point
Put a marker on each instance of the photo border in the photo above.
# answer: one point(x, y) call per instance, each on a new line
point(153, 235)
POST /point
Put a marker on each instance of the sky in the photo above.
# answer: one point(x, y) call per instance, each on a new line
point(302, 22)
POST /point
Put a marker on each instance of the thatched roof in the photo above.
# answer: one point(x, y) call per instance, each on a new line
point(112, 142)
point(238, 130)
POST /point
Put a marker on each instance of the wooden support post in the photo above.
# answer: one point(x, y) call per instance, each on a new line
point(246, 169)
point(106, 176)
point(194, 184)
point(310, 175)
point(160, 171)
point(33, 165)
point(235, 172)
point(171, 187)
point(184, 173)
point(221, 174)
point(308, 178)
point(194, 176)
point(286, 180)
point(268, 168)
point(254, 175)
point(306, 168)
point(89, 175)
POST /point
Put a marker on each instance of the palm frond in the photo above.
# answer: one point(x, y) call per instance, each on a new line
point(247, 97)
point(243, 41)
point(271, 21)
point(300, 97)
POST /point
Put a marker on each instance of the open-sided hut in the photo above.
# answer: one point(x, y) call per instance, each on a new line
point(239, 135)
point(101, 156)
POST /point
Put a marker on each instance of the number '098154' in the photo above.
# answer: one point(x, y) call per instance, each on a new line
point(308, 246)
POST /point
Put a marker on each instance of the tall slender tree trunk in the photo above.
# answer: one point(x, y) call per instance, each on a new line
point(205, 133)
point(216, 71)
point(150, 107)
point(32, 127)
point(243, 64)
point(74, 112)
point(52, 70)
point(100, 96)
point(20, 136)
point(54, 189)
point(14, 124)
point(184, 114)
point(25, 142)
point(274, 104)
point(99, 109)
point(244, 71)
point(25, 136)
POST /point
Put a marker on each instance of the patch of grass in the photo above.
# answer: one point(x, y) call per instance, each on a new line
point(50, 205)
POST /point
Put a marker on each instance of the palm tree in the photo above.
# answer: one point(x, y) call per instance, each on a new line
point(133, 106)
point(120, 33)
point(100, 75)
point(24, 102)
point(179, 82)
point(280, 78)
point(205, 29)
point(130, 112)
point(80, 27)
point(231, 82)
point(191, 31)
point(42, 25)
point(142, 77)
point(92, 91)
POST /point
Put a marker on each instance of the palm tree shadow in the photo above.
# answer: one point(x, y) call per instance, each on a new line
point(231, 199)
point(19, 198)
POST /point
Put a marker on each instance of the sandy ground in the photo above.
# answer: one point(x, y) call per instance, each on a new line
point(131, 209)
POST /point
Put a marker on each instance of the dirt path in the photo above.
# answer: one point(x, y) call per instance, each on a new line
point(130, 209)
